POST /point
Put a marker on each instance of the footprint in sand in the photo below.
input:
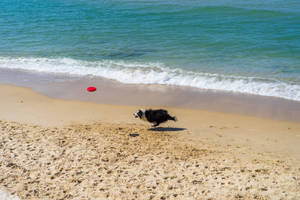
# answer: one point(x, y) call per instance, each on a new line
point(219, 135)
point(224, 127)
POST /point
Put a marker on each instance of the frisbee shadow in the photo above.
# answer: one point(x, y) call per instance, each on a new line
point(164, 129)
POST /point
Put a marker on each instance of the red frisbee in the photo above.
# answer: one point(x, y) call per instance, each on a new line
point(91, 89)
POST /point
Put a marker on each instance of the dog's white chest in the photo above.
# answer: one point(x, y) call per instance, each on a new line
point(144, 117)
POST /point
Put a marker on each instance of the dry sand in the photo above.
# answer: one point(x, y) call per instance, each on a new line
point(58, 149)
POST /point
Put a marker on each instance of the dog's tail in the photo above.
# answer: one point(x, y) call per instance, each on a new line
point(173, 118)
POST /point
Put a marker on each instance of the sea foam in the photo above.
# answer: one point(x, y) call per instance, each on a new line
point(155, 73)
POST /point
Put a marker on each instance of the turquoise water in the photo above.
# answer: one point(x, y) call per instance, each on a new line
point(236, 45)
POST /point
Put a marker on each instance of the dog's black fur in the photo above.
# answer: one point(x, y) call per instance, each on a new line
point(154, 116)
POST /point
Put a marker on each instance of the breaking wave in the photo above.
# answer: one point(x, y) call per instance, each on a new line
point(155, 73)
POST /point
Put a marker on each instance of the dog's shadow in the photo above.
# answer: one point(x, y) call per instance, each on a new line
point(164, 129)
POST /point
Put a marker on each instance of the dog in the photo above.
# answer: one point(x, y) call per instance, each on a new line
point(154, 116)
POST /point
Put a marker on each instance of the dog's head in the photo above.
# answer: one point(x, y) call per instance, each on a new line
point(139, 114)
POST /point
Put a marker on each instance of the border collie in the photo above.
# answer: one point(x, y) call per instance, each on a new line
point(154, 116)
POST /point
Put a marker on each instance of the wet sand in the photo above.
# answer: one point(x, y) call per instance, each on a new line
point(112, 92)
point(61, 149)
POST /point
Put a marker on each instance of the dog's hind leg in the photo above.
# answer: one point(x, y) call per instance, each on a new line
point(155, 124)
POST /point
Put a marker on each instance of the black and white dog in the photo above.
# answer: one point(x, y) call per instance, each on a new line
point(154, 116)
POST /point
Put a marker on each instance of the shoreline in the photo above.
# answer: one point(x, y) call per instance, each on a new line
point(109, 92)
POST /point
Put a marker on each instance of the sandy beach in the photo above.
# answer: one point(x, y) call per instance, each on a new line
point(229, 71)
point(62, 149)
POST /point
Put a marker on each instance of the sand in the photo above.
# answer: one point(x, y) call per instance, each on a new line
point(6, 196)
point(59, 149)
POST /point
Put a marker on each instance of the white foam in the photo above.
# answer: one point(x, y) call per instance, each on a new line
point(155, 73)
point(6, 196)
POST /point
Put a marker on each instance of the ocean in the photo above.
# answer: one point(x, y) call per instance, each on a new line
point(238, 46)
